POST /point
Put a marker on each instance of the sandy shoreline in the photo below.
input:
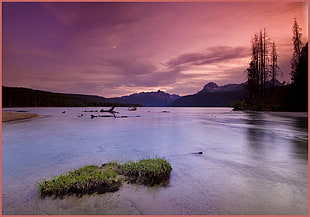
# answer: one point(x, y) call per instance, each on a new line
point(15, 116)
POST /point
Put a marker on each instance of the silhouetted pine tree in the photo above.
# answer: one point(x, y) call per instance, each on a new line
point(297, 48)
point(299, 66)
point(300, 80)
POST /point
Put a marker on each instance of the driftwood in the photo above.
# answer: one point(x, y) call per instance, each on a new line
point(110, 116)
point(125, 116)
point(198, 152)
point(132, 108)
point(122, 116)
point(91, 110)
point(111, 110)
point(102, 116)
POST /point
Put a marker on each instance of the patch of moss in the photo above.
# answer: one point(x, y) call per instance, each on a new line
point(107, 178)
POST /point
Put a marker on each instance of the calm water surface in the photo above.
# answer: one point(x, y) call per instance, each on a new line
point(252, 163)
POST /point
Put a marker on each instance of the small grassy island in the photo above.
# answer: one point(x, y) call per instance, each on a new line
point(107, 178)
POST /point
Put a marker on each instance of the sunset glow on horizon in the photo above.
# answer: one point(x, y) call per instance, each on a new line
point(115, 49)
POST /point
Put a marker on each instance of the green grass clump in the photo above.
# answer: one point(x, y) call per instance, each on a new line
point(148, 171)
point(89, 179)
point(107, 178)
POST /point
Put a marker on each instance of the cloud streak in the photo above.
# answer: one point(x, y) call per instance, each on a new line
point(212, 55)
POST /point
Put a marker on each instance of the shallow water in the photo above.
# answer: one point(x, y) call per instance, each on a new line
point(252, 163)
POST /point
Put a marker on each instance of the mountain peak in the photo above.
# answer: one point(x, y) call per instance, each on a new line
point(213, 95)
point(210, 86)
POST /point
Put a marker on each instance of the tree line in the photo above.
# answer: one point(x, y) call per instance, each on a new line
point(264, 92)
point(24, 97)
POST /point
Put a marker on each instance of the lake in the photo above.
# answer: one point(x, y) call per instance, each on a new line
point(252, 162)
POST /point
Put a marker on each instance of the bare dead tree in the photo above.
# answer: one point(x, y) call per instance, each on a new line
point(274, 67)
point(263, 66)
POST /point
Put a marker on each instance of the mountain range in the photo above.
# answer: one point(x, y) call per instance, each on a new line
point(211, 95)
point(25, 97)
point(147, 99)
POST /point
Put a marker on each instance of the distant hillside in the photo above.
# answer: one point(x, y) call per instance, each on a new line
point(148, 99)
point(24, 97)
point(213, 95)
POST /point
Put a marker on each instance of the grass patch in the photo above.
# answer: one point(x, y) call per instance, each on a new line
point(107, 178)
point(89, 179)
point(147, 172)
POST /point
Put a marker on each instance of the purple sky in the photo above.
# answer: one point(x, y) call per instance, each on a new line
point(114, 49)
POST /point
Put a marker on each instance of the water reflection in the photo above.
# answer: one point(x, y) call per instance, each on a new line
point(256, 133)
point(301, 123)
point(267, 132)
point(259, 158)
point(300, 142)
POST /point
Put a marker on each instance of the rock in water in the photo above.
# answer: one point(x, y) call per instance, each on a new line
point(198, 152)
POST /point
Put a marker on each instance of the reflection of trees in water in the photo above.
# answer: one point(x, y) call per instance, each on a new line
point(301, 123)
point(262, 134)
point(300, 144)
point(255, 131)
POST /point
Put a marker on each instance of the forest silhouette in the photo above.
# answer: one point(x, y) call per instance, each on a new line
point(263, 71)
